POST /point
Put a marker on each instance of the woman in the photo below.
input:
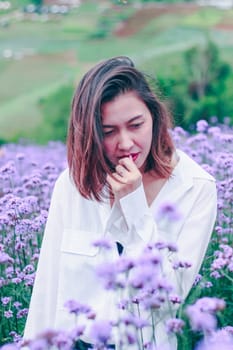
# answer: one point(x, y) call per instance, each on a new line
point(122, 166)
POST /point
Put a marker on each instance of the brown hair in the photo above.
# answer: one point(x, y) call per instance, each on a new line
point(86, 159)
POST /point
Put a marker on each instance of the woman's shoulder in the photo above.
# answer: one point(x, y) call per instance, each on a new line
point(64, 176)
point(191, 168)
point(64, 183)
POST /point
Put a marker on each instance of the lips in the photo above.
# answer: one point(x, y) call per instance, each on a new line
point(134, 156)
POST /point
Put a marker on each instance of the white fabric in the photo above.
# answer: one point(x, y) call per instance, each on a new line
point(66, 268)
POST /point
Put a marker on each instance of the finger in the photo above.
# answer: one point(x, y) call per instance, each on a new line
point(112, 183)
point(110, 180)
point(128, 163)
point(114, 180)
point(121, 170)
point(120, 178)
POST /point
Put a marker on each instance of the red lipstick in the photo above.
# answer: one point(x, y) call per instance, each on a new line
point(134, 156)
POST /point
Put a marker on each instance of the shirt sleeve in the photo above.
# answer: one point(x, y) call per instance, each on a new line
point(191, 237)
point(42, 307)
point(131, 222)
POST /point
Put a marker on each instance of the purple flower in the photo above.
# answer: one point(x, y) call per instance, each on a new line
point(218, 264)
point(76, 332)
point(202, 313)
point(172, 247)
point(201, 321)
point(206, 284)
point(229, 329)
point(160, 245)
point(175, 299)
point(127, 319)
point(181, 264)
point(20, 156)
point(77, 308)
point(150, 256)
point(39, 344)
point(22, 313)
point(151, 301)
point(140, 323)
point(43, 340)
point(5, 300)
point(103, 243)
point(141, 276)
point(216, 274)
point(137, 322)
point(108, 273)
point(124, 264)
point(131, 338)
point(29, 279)
point(17, 304)
point(202, 126)
point(27, 177)
point(210, 304)
point(63, 341)
point(220, 339)
point(16, 337)
point(164, 284)
point(197, 279)
point(8, 169)
point(100, 332)
point(8, 314)
point(29, 268)
point(16, 280)
point(5, 258)
point(123, 304)
point(9, 347)
point(168, 212)
point(174, 325)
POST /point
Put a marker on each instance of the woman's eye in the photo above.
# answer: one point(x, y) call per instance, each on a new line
point(107, 133)
point(137, 125)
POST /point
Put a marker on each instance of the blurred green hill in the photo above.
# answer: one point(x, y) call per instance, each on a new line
point(186, 48)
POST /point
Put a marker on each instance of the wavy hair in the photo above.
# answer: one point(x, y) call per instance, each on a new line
point(87, 162)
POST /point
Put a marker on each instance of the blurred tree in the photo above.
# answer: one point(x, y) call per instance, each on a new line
point(56, 110)
point(146, 1)
point(166, 1)
point(37, 2)
point(203, 66)
point(203, 89)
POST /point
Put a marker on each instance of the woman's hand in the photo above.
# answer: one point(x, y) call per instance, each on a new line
point(126, 179)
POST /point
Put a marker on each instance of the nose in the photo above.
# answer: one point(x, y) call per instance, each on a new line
point(125, 141)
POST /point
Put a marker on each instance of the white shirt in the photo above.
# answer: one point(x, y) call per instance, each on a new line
point(66, 267)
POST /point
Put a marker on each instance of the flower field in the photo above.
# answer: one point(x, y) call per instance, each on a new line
point(27, 176)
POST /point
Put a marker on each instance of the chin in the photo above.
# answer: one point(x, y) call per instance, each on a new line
point(142, 167)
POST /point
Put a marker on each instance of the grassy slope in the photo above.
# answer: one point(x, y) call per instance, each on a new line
point(61, 51)
point(50, 59)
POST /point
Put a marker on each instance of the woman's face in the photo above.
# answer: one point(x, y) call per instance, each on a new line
point(127, 126)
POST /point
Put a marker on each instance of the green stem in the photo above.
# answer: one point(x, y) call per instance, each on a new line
point(140, 332)
point(153, 328)
point(225, 275)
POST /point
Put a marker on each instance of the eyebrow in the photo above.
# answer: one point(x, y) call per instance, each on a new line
point(128, 122)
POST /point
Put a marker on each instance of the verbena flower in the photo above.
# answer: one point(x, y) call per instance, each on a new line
point(74, 307)
point(5, 300)
point(202, 313)
point(100, 332)
point(220, 339)
point(169, 212)
point(174, 325)
point(27, 176)
point(202, 125)
point(103, 243)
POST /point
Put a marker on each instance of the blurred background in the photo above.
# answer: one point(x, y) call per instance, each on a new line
point(46, 46)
